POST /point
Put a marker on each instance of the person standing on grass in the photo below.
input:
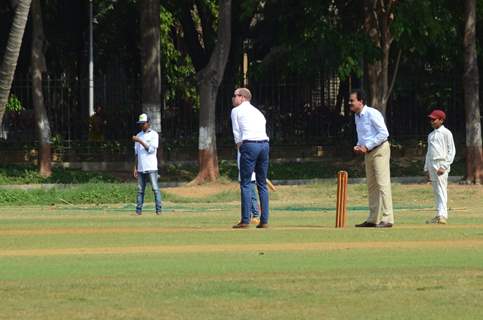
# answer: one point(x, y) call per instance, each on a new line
point(439, 157)
point(249, 131)
point(372, 142)
point(254, 210)
point(146, 163)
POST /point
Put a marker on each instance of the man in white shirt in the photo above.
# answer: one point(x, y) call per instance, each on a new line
point(372, 142)
point(249, 131)
point(440, 156)
point(146, 163)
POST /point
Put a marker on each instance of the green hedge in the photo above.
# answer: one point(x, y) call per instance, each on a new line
point(26, 174)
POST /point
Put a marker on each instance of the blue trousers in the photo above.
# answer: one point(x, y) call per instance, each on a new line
point(254, 209)
point(143, 178)
point(254, 156)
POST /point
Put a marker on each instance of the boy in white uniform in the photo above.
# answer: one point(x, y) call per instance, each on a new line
point(440, 156)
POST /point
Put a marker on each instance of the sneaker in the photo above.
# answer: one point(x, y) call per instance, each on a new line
point(442, 221)
point(437, 220)
point(255, 221)
point(138, 213)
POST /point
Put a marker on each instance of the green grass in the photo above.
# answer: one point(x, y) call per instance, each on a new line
point(108, 193)
point(189, 263)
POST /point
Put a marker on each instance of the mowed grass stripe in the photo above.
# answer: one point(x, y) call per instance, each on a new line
point(292, 247)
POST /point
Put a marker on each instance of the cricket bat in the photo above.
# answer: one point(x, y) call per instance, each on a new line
point(271, 186)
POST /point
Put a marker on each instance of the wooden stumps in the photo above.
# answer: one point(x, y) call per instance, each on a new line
point(341, 211)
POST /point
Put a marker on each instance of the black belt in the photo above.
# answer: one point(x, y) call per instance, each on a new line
point(254, 141)
point(377, 146)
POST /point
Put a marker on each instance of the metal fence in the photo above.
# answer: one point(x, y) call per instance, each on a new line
point(416, 96)
point(297, 111)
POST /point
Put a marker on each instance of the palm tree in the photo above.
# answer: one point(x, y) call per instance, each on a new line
point(7, 69)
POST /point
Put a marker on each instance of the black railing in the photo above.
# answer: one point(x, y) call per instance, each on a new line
point(297, 111)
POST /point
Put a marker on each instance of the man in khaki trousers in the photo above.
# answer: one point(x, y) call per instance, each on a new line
point(372, 142)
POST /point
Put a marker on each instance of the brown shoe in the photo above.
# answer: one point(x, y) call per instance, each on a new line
point(241, 225)
point(366, 224)
point(384, 225)
point(262, 226)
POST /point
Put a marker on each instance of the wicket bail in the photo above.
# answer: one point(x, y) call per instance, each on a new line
point(340, 211)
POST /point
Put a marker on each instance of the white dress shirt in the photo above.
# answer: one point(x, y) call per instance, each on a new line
point(147, 160)
point(441, 149)
point(371, 128)
point(248, 123)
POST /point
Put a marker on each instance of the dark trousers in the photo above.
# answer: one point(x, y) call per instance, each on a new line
point(254, 157)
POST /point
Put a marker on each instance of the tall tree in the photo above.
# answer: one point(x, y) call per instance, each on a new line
point(7, 69)
point(209, 56)
point(471, 96)
point(378, 17)
point(150, 59)
point(39, 66)
point(209, 79)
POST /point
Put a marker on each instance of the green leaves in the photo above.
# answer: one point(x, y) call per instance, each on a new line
point(177, 67)
point(14, 104)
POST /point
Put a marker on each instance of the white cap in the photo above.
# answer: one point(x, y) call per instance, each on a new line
point(143, 118)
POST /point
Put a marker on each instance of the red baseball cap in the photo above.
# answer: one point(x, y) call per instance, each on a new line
point(437, 114)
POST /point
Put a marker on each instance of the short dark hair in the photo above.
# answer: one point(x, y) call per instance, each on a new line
point(360, 94)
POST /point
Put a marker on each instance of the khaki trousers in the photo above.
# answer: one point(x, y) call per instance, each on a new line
point(378, 176)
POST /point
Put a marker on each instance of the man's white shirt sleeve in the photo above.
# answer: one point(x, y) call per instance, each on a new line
point(377, 121)
point(451, 150)
point(235, 125)
point(154, 142)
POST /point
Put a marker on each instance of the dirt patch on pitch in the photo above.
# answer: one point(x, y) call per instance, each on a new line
point(205, 190)
point(256, 248)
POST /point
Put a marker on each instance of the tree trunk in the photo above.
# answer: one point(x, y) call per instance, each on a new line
point(209, 80)
point(38, 67)
point(471, 97)
point(7, 69)
point(151, 63)
point(374, 71)
point(378, 16)
point(207, 157)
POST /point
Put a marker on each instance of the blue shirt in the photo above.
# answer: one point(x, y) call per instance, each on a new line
point(371, 128)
